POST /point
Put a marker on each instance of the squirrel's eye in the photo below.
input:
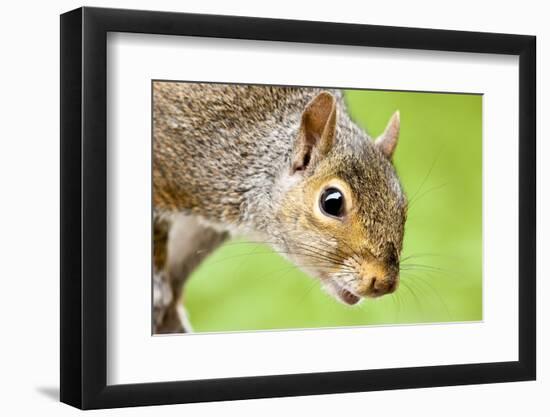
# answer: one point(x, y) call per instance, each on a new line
point(332, 202)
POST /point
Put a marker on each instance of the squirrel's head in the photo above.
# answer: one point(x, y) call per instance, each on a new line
point(342, 207)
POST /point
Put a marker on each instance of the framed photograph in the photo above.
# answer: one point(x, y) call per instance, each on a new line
point(257, 208)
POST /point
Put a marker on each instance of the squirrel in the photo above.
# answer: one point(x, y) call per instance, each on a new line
point(284, 165)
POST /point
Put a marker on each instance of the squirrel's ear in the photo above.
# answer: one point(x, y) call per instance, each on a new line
point(387, 141)
point(317, 131)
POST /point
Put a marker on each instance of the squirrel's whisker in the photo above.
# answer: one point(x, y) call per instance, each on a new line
point(419, 255)
point(337, 260)
point(354, 255)
point(420, 279)
point(351, 255)
point(268, 252)
point(415, 297)
point(318, 250)
point(288, 268)
point(415, 265)
point(427, 176)
point(308, 291)
point(308, 248)
point(341, 257)
point(425, 193)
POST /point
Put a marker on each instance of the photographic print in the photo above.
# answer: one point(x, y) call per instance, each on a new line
point(278, 207)
point(329, 186)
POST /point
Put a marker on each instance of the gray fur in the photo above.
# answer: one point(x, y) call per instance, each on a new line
point(223, 153)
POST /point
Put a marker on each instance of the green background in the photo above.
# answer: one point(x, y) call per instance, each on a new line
point(247, 287)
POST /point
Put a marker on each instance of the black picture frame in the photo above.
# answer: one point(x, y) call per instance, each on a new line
point(84, 207)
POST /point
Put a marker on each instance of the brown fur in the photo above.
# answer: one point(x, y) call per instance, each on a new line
point(254, 160)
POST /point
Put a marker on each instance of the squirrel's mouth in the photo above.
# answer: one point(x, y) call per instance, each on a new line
point(348, 297)
point(344, 295)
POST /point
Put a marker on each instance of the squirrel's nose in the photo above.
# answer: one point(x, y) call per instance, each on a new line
point(378, 279)
point(384, 285)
